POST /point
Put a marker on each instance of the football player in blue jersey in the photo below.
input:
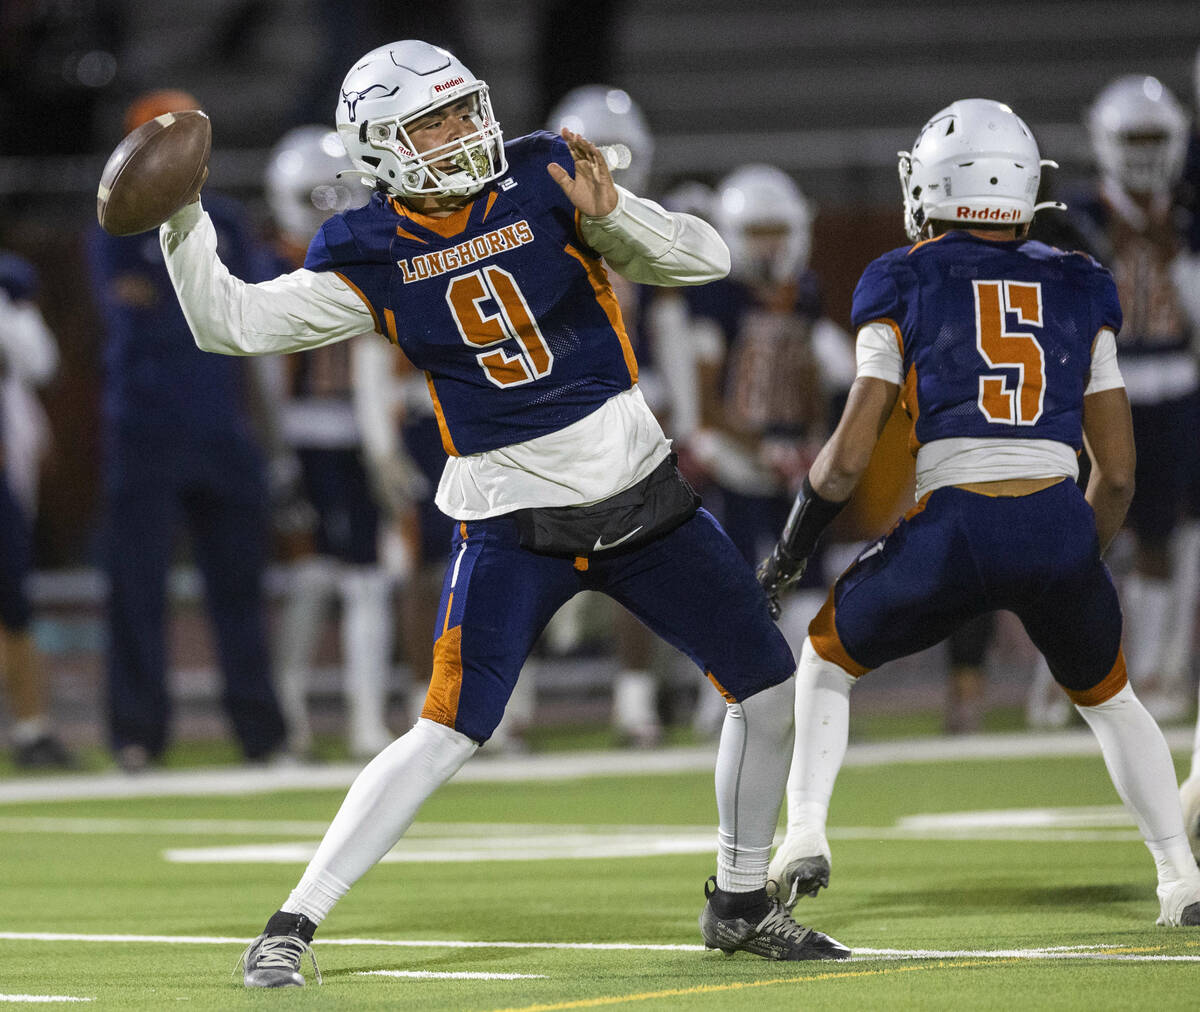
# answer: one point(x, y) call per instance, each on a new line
point(180, 449)
point(481, 261)
point(1004, 352)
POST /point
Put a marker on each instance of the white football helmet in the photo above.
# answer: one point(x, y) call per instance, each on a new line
point(765, 221)
point(302, 184)
point(389, 88)
point(975, 162)
point(607, 115)
point(1139, 134)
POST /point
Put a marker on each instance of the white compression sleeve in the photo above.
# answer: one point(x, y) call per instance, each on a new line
point(822, 733)
point(379, 807)
point(303, 309)
point(751, 770)
point(645, 243)
point(1141, 769)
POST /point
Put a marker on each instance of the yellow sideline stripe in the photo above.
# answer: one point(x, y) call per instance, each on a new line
point(680, 992)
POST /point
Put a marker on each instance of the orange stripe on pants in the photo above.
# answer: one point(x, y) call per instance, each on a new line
point(823, 634)
point(441, 702)
point(1116, 679)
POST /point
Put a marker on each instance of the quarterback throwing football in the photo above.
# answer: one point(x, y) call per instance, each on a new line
point(481, 261)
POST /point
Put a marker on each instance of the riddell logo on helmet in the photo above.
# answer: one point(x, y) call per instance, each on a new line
point(448, 84)
point(987, 214)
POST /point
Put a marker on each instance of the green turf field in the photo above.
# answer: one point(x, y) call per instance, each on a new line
point(1043, 898)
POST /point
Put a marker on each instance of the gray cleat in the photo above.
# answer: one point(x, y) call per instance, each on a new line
point(775, 936)
point(273, 958)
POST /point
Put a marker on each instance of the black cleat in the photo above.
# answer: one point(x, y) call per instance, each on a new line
point(273, 958)
point(44, 753)
point(773, 936)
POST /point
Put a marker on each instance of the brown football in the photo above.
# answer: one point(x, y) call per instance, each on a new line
point(154, 171)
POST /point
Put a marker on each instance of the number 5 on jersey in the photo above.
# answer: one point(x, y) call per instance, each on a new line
point(511, 322)
point(998, 400)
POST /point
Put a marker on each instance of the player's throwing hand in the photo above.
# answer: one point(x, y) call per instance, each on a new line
point(592, 190)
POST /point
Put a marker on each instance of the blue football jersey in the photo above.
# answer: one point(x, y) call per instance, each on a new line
point(505, 308)
point(996, 336)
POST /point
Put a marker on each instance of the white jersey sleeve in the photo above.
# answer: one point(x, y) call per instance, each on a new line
point(293, 312)
point(1106, 372)
point(878, 354)
point(650, 245)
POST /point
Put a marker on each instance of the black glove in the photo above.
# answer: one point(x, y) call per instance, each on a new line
point(776, 573)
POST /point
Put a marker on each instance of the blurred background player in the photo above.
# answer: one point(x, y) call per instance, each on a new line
point(334, 548)
point(1189, 791)
point(28, 360)
point(607, 115)
point(179, 450)
point(771, 371)
point(1130, 220)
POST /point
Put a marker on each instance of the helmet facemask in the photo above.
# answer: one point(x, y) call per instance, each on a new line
point(458, 168)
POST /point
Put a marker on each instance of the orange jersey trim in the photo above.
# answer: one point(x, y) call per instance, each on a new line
point(447, 227)
point(445, 687)
point(925, 242)
point(408, 235)
point(389, 318)
point(1112, 683)
point(440, 415)
point(912, 408)
point(598, 277)
point(822, 633)
point(365, 301)
point(490, 203)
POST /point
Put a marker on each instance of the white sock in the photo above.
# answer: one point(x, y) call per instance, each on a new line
point(29, 730)
point(1141, 769)
point(310, 584)
point(751, 770)
point(1185, 589)
point(379, 807)
point(822, 733)
point(1195, 771)
point(367, 651)
point(635, 704)
point(1149, 613)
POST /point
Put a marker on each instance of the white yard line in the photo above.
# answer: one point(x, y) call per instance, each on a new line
point(448, 975)
point(1115, 951)
point(546, 767)
point(40, 998)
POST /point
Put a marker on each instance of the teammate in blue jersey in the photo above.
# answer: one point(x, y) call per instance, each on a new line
point(179, 450)
point(1004, 352)
point(481, 262)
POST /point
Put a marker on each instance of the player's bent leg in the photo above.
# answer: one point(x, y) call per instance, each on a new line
point(802, 863)
point(379, 807)
point(751, 768)
point(1139, 763)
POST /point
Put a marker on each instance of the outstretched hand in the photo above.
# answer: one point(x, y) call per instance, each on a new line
point(592, 190)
